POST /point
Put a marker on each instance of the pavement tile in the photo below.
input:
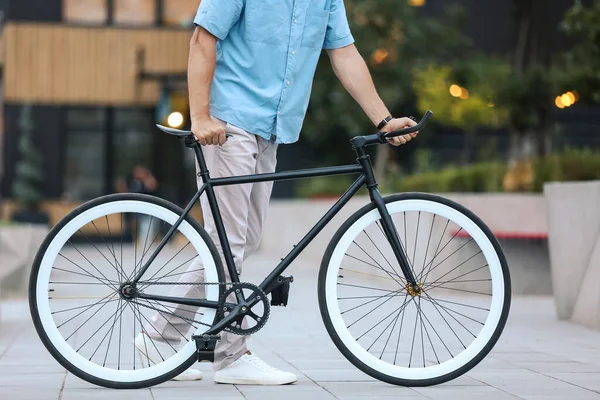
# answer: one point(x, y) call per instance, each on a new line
point(20, 393)
point(366, 389)
point(317, 394)
point(464, 392)
point(38, 381)
point(104, 394)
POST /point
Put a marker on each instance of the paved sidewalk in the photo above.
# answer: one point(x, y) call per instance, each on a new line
point(537, 358)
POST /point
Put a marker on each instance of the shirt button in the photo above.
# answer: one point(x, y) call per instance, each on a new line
point(295, 21)
point(288, 82)
point(293, 52)
point(278, 112)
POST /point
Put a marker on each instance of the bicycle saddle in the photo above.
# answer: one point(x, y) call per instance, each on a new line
point(173, 131)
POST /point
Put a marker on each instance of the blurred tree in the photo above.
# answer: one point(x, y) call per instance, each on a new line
point(394, 39)
point(583, 25)
point(29, 175)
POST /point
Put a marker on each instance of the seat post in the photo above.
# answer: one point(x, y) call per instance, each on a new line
point(193, 143)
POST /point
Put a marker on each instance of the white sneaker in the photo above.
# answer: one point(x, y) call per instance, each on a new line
point(251, 370)
point(143, 343)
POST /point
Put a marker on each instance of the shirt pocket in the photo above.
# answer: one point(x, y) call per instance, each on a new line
point(315, 27)
point(265, 21)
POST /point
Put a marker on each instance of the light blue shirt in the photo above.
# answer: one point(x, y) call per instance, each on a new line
point(267, 54)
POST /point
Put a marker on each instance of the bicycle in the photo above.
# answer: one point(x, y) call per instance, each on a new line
point(447, 279)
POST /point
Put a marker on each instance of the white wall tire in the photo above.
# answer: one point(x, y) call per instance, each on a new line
point(402, 375)
point(40, 277)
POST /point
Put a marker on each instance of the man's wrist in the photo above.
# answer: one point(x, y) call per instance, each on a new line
point(384, 122)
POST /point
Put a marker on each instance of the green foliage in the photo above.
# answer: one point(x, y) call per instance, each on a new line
point(582, 24)
point(481, 177)
point(571, 165)
point(29, 176)
point(323, 186)
point(393, 38)
point(479, 77)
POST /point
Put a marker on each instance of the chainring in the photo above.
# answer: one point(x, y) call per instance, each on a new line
point(258, 313)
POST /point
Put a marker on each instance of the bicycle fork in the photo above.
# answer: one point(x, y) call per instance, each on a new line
point(386, 222)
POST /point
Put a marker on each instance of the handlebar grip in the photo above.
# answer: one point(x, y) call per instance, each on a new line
point(405, 131)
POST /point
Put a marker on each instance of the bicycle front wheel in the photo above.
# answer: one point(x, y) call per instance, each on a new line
point(398, 334)
point(78, 291)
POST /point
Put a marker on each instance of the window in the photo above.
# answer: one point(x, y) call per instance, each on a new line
point(85, 154)
point(135, 12)
point(133, 141)
point(85, 11)
point(180, 12)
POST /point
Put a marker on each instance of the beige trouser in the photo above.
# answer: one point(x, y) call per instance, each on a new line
point(243, 209)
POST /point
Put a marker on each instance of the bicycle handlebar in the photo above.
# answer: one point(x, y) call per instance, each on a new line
point(382, 137)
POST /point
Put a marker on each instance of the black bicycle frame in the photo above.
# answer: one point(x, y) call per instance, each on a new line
point(367, 177)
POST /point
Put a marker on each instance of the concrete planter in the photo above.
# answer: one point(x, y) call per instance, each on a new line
point(574, 238)
point(519, 220)
point(18, 246)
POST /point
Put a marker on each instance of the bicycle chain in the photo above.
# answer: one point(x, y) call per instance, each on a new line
point(226, 329)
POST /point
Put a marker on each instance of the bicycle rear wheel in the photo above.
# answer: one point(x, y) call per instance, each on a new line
point(77, 300)
point(395, 333)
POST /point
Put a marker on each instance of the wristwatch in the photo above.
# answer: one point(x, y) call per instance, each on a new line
point(384, 122)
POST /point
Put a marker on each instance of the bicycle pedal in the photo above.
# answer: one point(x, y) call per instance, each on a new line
point(281, 292)
point(205, 346)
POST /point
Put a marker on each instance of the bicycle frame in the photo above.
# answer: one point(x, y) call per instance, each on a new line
point(367, 178)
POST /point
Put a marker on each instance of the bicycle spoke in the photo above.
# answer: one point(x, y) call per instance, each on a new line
point(372, 259)
point(111, 295)
point(116, 266)
point(400, 330)
point(456, 312)
point(113, 246)
point(459, 304)
point(157, 331)
point(110, 282)
point(416, 238)
point(107, 332)
point(392, 330)
point(79, 307)
point(96, 331)
point(100, 272)
point(413, 339)
point(402, 246)
point(428, 337)
point(377, 324)
point(441, 262)
point(461, 290)
point(428, 241)
point(111, 333)
point(384, 257)
point(447, 323)
point(460, 276)
point(435, 253)
point(151, 243)
point(459, 265)
point(365, 287)
point(152, 279)
point(85, 322)
point(370, 301)
point(103, 256)
point(439, 337)
point(374, 266)
point(146, 336)
point(155, 303)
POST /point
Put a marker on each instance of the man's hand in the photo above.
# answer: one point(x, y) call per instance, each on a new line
point(209, 132)
point(397, 124)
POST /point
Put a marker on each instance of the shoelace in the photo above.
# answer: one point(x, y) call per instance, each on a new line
point(260, 364)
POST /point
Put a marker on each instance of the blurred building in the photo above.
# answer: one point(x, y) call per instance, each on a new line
point(98, 74)
point(93, 72)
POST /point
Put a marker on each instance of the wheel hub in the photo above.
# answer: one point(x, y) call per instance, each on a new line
point(127, 291)
point(414, 290)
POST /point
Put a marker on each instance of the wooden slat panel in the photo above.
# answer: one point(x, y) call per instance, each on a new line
point(62, 64)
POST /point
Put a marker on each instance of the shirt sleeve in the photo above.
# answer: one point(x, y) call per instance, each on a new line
point(218, 16)
point(338, 31)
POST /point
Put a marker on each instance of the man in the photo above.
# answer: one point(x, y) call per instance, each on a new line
point(250, 72)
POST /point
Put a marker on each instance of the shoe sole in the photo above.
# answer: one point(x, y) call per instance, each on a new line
point(242, 381)
point(178, 378)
